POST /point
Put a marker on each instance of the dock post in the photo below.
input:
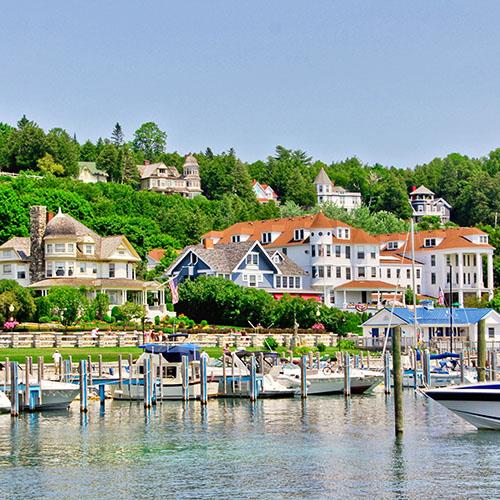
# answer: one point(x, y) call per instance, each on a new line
point(303, 377)
point(368, 359)
point(427, 368)
point(361, 365)
point(414, 363)
point(398, 380)
point(83, 386)
point(310, 359)
point(387, 373)
point(493, 364)
point(203, 378)
point(14, 389)
point(27, 382)
point(120, 375)
point(462, 368)
point(153, 380)
point(40, 378)
point(147, 382)
point(130, 376)
point(160, 377)
point(253, 378)
point(481, 351)
point(318, 360)
point(6, 380)
point(356, 361)
point(89, 368)
point(290, 356)
point(70, 367)
point(347, 374)
point(102, 394)
point(224, 375)
point(233, 380)
point(100, 366)
point(185, 378)
point(67, 370)
point(61, 369)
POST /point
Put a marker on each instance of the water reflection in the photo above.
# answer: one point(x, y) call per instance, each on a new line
point(314, 448)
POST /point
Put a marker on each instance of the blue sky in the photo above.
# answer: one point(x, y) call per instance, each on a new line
point(398, 82)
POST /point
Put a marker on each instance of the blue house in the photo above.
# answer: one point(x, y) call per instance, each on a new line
point(434, 323)
point(245, 263)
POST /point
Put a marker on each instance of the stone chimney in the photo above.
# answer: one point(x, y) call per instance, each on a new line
point(208, 243)
point(38, 223)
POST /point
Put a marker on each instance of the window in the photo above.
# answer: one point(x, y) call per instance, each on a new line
point(7, 268)
point(388, 272)
point(252, 280)
point(60, 247)
point(48, 248)
point(266, 238)
point(433, 260)
point(193, 259)
point(430, 242)
point(313, 250)
point(297, 282)
point(392, 245)
point(21, 275)
point(408, 274)
point(278, 281)
point(347, 273)
point(71, 247)
point(361, 254)
point(94, 268)
point(112, 270)
point(88, 249)
point(321, 272)
point(418, 273)
point(433, 278)
point(328, 250)
point(83, 268)
point(6, 254)
point(298, 235)
point(447, 277)
point(235, 238)
point(374, 272)
point(483, 239)
point(277, 259)
point(448, 260)
point(398, 273)
point(491, 332)
point(338, 272)
point(456, 260)
point(284, 282)
point(48, 270)
point(361, 272)
point(373, 254)
point(290, 282)
point(252, 259)
point(348, 252)
point(337, 250)
point(60, 271)
point(418, 288)
point(328, 271)
point(475, 277)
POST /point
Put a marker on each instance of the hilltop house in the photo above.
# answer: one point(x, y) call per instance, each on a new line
point(349, 267)
point(62, 251)
point(246, 263)
point(434, 323)
point(89, 173)
point(424, 204)
point(327, 192)
point(159, 178)
point(264, 192)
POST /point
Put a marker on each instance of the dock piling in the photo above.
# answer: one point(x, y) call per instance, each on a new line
point(6, 380)
point(130, 375)
point(387, 373)
point(261, 363)
point(347, 374)
point(14, 389)
point(147, 381)
point(84, 396)
point(185, 378)
point(89, 368)
point(27, 382)
point(462, 368)
point(493, 364)
point(120, 374)
point(481, 352)
point(40, 377)
point(102, 394)
point(318, 360)
point(224, 374)
point(426, 367)
point(303, 377)
point(253, 378)
point(398, 380)
point(203, 378)
point(100, 366)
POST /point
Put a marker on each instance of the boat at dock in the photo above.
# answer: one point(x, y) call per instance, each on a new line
point(478, 404)
point(4, 403)
point(167, 370)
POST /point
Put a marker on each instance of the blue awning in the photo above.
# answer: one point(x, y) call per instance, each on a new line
point(174, 353)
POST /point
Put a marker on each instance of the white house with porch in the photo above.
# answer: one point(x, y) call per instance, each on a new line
point(434, 323)
point(63, 251)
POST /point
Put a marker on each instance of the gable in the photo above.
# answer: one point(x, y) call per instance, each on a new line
point(265, 262)
point(383, 318)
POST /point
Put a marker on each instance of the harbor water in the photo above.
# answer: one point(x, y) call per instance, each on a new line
point(325, 447)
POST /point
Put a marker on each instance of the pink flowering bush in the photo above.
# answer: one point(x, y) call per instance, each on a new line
point(10, 325)
point(318, 326)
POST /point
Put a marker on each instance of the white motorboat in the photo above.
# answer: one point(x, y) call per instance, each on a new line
point(169, 383)
point(478, 404)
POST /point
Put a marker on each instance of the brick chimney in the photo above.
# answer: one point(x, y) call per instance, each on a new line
point(208, 243)
point(38, 223)
point(50, 216)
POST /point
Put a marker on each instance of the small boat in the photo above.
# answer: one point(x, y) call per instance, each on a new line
point(478, 404)
point(169, 383)
point(4, 403)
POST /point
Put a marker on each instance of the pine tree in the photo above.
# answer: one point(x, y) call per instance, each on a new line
point(130, 170)
point(117, 135)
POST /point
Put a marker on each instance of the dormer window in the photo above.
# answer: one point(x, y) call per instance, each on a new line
point(343, 233)
point(266, 238)
point(392, 245)
point(88, 249)
point(60, 248)
point(235, 238)
point(193, 259)
point(429, 242)
point(252, 259)
point(277, 259)
point(483, 239)
point(298, 235)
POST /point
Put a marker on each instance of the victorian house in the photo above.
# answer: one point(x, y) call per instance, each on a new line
point(264, 192)
point(327, 192)
point(159, 178)
point(63, 251)
point(424, 204)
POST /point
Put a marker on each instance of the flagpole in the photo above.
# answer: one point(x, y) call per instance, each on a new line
point(451, 307)
point(414, 279)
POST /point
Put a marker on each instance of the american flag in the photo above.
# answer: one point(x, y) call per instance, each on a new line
point(441, 297)
point(174, 292)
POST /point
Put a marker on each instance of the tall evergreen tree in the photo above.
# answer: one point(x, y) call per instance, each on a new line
point(88, 151)
point(130, 170)
point(107, 161)
point(63, 150)
point(117, 135)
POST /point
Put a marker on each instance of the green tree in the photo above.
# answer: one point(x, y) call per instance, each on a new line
point(117, 135)
point(68, 303)
point(5, 131)
point(130, 171)
point(100, 305)
point(132, 311)
point(25, 145)
point(149, 140)
point(64, 150)
point(13, 295)
point(88, 151)
point(108, 161)
point(47, 165)
point(14, 217)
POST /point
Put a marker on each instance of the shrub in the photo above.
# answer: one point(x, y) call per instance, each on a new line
point(109, 319)
point(271, 343)
point(321, 347)
point(301, 350)
point(157, 320)
point(43, 309)
point(116, 313)
point(168, 330)
point(44, 319)
point(203, 323)
point(55, 318)
point(345, 344)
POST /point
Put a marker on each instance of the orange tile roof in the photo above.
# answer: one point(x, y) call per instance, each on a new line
point(453, 237)
point(156, 254)
point(287, 226)
point(366, 285)
point(393, 257)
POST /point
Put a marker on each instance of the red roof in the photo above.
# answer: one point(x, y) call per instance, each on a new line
point(156, 254)
point(366, 285)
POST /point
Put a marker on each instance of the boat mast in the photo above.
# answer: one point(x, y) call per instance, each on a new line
point(451, 308)
point(413, 278)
